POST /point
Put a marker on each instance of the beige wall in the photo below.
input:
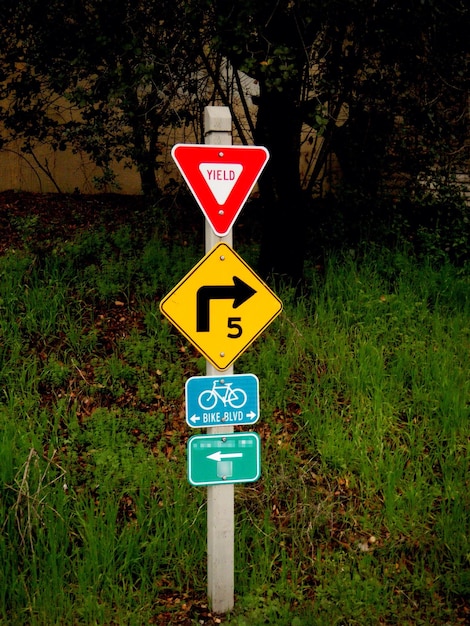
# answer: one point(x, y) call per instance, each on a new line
point(23, 172)
point(19, 171)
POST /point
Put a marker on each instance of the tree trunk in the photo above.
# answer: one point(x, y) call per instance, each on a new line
point(146, 160)
point(148, 179)
point(283, 238)
point(145, 137)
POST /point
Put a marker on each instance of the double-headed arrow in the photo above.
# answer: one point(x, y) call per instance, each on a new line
point(239, 292)
point(195, 418)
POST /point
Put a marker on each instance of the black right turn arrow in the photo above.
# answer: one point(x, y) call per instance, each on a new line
point(239, 292)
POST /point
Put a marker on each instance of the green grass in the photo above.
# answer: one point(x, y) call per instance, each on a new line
point(362, 512)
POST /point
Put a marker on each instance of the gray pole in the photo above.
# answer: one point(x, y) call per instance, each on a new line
point(220, 498)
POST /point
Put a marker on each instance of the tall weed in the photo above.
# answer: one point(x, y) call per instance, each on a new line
point(362, 510)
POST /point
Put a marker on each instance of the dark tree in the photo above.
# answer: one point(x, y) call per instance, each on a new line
point(133, 68)
point(125, 66)
point(400, 69)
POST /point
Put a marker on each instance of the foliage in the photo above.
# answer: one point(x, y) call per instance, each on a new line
point(380, 86)
point(389, 68)
point(105, 78)
point(362, 510)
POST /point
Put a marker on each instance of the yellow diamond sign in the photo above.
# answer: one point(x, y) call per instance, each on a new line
point(221, 306)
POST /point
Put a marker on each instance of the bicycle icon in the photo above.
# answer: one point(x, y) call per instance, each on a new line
point(235, 398)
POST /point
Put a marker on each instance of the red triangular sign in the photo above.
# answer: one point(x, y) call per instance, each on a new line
point(221, 178)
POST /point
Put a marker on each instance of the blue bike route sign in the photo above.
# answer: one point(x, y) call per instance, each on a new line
point(222, 400)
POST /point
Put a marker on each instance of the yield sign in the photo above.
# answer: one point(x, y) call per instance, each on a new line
point(221, 178)
point(221, 306)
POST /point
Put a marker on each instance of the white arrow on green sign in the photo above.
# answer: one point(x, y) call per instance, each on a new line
point(220, 456)
point(221, 459)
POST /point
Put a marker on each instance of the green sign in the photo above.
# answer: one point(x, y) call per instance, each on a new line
point(219, 459)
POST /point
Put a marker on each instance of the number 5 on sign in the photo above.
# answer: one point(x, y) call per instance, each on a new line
point(221, 306)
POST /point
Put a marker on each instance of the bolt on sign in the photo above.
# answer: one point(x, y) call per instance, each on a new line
point(221, 306)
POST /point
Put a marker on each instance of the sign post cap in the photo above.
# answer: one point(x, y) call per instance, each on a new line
point(217, 119)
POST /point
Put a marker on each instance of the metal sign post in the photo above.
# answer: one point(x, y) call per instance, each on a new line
point(221, 306)
point(220, 498)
